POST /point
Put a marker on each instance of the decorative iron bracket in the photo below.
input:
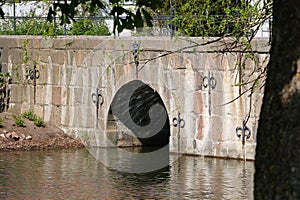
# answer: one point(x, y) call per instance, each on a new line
point(209, 82)
point(135, 53)
point(243, 132)
point(179, 123)
point(95, 99)
point(34, 74)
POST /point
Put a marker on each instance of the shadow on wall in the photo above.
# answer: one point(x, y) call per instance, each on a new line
point(137, 112)
point(5, 80)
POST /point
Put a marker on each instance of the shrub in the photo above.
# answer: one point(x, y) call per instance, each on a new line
point(39, 122)
point(18, 120)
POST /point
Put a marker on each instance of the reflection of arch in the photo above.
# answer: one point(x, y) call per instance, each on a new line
point(138, 116)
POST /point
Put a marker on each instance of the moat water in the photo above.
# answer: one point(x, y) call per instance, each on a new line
point(76, 174)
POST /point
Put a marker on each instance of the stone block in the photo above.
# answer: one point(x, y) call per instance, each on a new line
point(43, 55)
point(198, 102)
point(16, 56)
point(16, 93)
point(199, 60)
point(216, 128)
point(92, 42)
point(15, 107)
point(200, 129)
point(78, 92)
point(65, 114)
point(28, 94)
point(80, 56)
point(56, 96)
point(56, 75)
point(55, 115)
point(40, 91)
point(38, 110)
point(58, 57)
point(217, 103)
point(46, 43)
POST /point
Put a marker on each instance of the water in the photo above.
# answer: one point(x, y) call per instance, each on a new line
point(76, 174)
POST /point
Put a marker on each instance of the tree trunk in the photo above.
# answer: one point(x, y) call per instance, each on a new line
point(277, 161)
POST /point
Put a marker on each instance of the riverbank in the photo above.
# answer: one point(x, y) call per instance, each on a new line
point(32, 137)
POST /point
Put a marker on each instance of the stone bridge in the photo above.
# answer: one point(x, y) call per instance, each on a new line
point(140, 84)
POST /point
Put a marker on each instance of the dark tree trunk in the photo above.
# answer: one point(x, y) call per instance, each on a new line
point(277, 161)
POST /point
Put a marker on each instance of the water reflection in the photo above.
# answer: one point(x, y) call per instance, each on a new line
point(68, 174)
point(134, 159)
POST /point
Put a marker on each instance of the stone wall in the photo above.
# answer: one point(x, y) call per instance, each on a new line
point(71, 69)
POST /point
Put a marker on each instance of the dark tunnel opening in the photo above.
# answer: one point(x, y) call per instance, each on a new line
point(138, 116)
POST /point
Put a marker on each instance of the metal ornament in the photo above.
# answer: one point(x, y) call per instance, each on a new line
point(135, 53)
point(33, 75)
point(135, 48)
point(209, 82)
point(243, 132)
point(179, 123)
point(95, 99)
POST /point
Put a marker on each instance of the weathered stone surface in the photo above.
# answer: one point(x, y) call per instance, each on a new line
point(56, 96)
point(71, 68)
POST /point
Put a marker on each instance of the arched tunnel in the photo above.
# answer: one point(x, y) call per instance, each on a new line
point(138, 114)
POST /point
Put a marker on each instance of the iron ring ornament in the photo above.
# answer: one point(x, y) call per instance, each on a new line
point(34, 74)
point(95, 99)
point(243, 132)
point(135, 53)
point(209, 82)
point(179, 123)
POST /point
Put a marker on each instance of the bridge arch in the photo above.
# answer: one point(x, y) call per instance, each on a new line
point(115, 70)
point(137, 117)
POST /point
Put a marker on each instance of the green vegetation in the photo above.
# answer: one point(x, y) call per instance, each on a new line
point(29, 115)
point(216, 17)
point(18, 120)
point(65, 13)
point(88, 27)
point(46, 28)
point(38, 121)
point(33, 24)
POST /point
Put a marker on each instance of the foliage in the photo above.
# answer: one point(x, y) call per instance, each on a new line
point(88, 27)
point(127, 18)
point(39, 122)
point(18, 120)
point(29, 115)
point(39, 26)
point(216, 17)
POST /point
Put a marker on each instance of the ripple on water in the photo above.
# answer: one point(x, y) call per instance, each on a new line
point(65, 174)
